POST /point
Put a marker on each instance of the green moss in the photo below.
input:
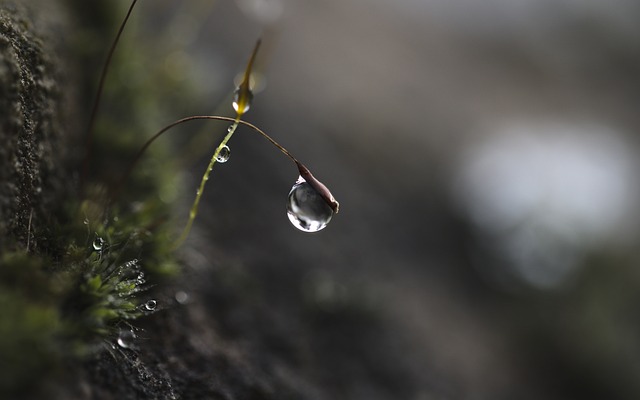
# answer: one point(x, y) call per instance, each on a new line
point(30, 326)
point(60, 297)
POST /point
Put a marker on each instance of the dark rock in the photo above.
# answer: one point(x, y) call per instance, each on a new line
point(32, 177)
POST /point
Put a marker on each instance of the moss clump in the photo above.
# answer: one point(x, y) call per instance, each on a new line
point(62, 297)
point(30, 325)
point(56, 311)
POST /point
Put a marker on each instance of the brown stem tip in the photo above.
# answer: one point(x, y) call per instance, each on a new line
point(318, 186)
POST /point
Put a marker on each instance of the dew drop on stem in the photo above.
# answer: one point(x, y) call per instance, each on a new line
point(306, 208)
point(224, 154)
point(242, 99)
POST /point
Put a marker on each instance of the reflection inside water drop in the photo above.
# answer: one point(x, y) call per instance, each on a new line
point(126, 339)
point(239, 104)
point(306, 208)
point(223, 154)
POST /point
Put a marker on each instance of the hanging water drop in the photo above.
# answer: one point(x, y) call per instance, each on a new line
point(223, 154)
point(150, 305)
point(126, 339)
point(306, 208)
point(242, 99)
point(98, 244)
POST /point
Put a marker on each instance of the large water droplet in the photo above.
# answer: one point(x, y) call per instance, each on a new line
point(306, 208)
point(242, 105)
point(126, 339)
point(224, 154)
point(98, 244)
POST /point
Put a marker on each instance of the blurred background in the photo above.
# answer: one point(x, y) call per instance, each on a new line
point(485, 156)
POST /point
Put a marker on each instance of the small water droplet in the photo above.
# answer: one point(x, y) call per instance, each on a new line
point(98, 244)
point(86, 221)
point(182, 297)
point(150, 305)
point(126, 339)
point(230, 128)
point(242, 105)
point(306, 208)
point(140, 279)
point(224, 154)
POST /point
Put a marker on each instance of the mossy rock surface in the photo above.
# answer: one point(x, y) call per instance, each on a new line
point(33, 177)
point(45, 97)
point(240, 336)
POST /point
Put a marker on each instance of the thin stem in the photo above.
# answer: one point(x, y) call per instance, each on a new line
point(304, 171)
point(194, 208)
point(96, 101)
point(255, 128)
point(118, 188)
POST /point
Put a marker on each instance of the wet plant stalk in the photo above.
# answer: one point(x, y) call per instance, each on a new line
point(194, 208)
point(241, 105)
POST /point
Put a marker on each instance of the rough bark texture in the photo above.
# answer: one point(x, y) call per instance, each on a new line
point(31, 156)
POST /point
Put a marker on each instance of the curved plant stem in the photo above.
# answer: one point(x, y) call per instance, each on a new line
point(302, 169)
point(115, 192)
point(96, 101)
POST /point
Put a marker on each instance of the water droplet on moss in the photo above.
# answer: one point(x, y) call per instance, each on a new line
point(98, 244)
point(306, 208)
point(224, 154)
point(126, 339)
point(150, 305)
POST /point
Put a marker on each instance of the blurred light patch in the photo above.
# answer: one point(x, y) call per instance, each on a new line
point(185, 28)
point(177, 65)
point(541, 195)
point(265, 11)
